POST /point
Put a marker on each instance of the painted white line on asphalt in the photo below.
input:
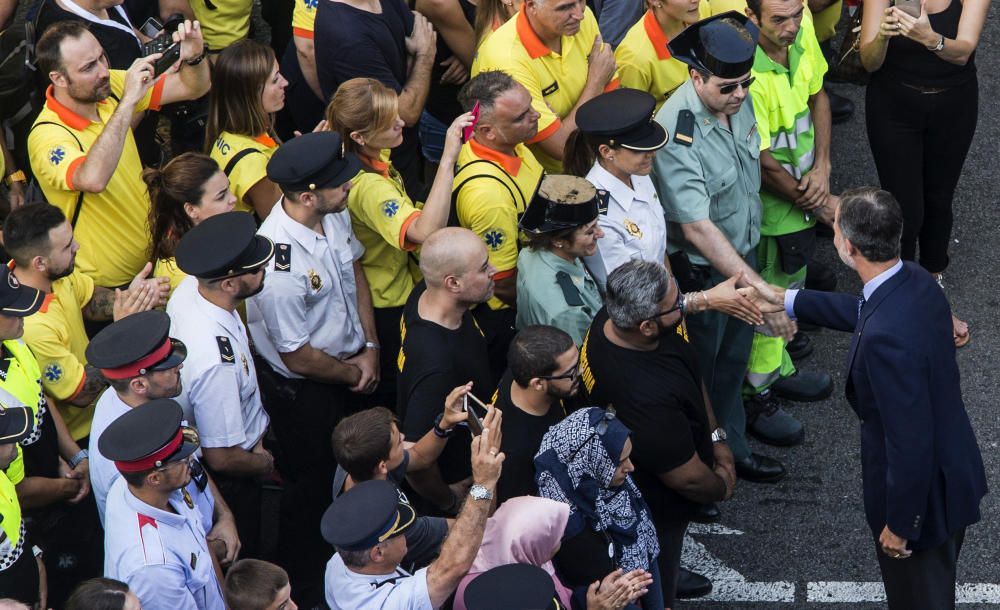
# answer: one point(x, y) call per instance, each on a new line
point(860, 592)
point(728, 584)
point(712, 528)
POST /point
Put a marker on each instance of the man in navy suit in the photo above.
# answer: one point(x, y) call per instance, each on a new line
point(922, 471)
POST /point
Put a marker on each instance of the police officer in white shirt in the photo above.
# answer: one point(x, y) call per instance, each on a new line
point(155, 537)
point(614, 151)
point(314, 329)
point(142, 363)
point(224, 259)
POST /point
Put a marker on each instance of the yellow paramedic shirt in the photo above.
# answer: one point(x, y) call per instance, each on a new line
point(22, 379)
point(112, 228)
point(223, 22)
point(56, 336)
point(381, 212)
point(554, 80)
point(167, 267)
point(644, 61)
point(304, 18)
point(491, 199)
point(249, 169)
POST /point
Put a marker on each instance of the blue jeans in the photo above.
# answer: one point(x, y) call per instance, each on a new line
point(432, 133)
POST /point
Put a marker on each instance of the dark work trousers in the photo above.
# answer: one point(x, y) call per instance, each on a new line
point(243, 495)
point(303, 414)
point(387, 321)
point(498, 329)
point(20, 581)
point(919, 142)
point(73, 543)
point(671, 538)
point(923, 581)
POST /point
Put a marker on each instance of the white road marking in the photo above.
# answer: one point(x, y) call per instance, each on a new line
point(727, 583)
point(860, 592)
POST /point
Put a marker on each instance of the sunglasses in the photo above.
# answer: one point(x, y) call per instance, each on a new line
point(675, 307)
point(727, 89)
point(599, 430)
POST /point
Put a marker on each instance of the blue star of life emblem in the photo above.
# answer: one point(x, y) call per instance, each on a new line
point(389, 208)
point(56, 155)
point(494, 238)
point(53, 372)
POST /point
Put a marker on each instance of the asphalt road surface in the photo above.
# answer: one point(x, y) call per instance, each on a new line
point(804, 542)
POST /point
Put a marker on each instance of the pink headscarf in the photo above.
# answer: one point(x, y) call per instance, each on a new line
point(523, 530)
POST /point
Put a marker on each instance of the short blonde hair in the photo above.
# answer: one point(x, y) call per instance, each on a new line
point(363, 105)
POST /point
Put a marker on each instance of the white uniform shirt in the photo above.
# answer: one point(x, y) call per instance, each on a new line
point(634, 227)
point(347, 590)
point(220, 392)
point(161, 555)
point(103, 472)
point(310, 295)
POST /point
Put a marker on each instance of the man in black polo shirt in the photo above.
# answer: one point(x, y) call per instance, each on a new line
point(543, 367)
point(442, 349)
point(637, 358)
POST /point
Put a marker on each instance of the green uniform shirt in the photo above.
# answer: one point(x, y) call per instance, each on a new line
point(568, 302)
point(781, 104)
point(717, 177)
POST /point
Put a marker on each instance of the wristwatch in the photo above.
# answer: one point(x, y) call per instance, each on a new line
point(79, 457)
point(478, 492)
point(718, 435)
point(438, 430)
point(13, 177)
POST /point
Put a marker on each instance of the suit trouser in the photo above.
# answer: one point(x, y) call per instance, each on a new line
point(723, 347)
point(923, 581)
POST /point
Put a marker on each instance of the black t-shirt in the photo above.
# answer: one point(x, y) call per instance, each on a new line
point(435, 360)
point(522, 435)
point(442, 99)
point(657, 394)
point(119, 42)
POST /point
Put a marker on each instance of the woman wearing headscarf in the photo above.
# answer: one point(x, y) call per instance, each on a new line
point(584, 462)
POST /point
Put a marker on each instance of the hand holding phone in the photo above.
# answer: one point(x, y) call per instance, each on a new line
point(169, 58)
point(910, 7)
point(474, 422)
point(471, 129)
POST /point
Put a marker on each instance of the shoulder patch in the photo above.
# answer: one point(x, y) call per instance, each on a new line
point(390, 208)
point(570, 292)
point(494, 238)
point(684, 131)
point(282, 257)
point(53, 372)
point(56, 155)
point(225, 350)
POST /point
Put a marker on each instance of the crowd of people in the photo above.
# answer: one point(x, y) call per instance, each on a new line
point(465, 304)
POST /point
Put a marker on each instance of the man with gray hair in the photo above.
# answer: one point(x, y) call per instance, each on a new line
point(636, 357)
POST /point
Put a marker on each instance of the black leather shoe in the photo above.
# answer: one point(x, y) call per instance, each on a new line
point(820, 277)
point(758, 468)
point(706, 513)
point(800, 346)
point(804, 386)
point(841, 108)
point(691, 585)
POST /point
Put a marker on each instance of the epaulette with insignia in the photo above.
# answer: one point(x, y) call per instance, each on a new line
point(684, 131)
point(282, 257)
point(226, 350)
point(570, 292)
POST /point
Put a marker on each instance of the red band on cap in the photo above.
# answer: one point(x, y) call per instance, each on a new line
point(150, 461)
point(132, 370)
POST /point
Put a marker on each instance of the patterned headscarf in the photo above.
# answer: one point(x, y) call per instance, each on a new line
point(575, 465)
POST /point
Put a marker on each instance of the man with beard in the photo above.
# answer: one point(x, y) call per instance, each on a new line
point(314, 329)
point(81, 146)
point(142, 363)
point(224, 260)
point(636, 359)
point(543, 369)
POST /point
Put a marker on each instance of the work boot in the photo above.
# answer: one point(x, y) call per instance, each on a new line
point(804, 386)
point(771, 424)
point(800, 346)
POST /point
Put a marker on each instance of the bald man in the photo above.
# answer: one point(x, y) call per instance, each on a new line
point(443, 348)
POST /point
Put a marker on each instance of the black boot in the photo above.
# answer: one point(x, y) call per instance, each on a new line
point(691, 585)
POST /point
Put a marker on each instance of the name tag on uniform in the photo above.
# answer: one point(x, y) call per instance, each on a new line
point(550, 89)
point(194, 561)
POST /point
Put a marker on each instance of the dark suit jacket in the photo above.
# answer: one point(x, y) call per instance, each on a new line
point(922, 470)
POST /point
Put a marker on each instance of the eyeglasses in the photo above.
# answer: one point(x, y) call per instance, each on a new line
point(599, 430)
point(745, 84)
point(573, 373)
point(675, 307)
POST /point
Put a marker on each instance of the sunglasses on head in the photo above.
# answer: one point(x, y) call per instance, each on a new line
point(730, 87)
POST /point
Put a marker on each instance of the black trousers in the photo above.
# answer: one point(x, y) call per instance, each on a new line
point(671, 539)
point(923, 581)
point(387, 321)
point(919, 142)
point(20, 581)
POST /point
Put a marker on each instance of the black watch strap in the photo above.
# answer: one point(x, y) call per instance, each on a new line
point(440, 432)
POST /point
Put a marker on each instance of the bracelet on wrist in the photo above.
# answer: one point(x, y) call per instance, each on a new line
point(79, 457)
point(438, 430)
point(194, 61)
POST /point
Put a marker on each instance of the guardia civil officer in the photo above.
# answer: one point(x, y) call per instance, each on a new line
point(314, 329)
point(155, 537)
point(142, 363)
point(224, 259)
point(708, 178)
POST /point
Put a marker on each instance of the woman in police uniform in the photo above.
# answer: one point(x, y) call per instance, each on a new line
point(613, 147)
point(247, 90)
point(388, 223)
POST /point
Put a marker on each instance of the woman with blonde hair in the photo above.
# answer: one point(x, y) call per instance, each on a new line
point(387, 222)
point(491, 14)
point(247, 91)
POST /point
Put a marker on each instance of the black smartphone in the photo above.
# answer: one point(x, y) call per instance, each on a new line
point(152, 27)
point(169, 58)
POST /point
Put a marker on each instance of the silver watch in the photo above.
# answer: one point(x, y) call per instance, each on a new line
point(718, 435)
point(478, 492)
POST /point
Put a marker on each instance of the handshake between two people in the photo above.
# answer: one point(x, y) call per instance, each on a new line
point(758, 303)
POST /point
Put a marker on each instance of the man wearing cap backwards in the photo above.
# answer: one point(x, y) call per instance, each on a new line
point(494, 181)
point(793, 119)
point(155, 536)
point(365, 526)
point(314, 328)
point(142, 363)
point(708, 177)
point(224, 260)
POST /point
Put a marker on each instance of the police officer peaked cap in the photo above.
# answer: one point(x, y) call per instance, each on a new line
point(562, 202)
point(136, 345)
point(624, 117)
point(147, 437)
point(722, 45)
point(16, 299)
point(514, 586)
point(16, 424)
point(222, 246)
point(312, 161)
point(367, 514)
